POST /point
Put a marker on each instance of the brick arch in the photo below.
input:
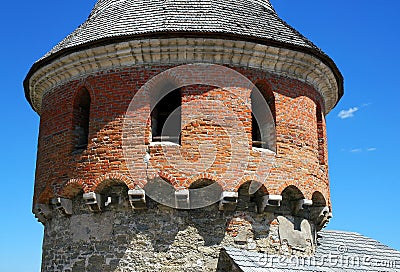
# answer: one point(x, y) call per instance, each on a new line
point(170, 179)
point(324, 191)
point(251, 178)
point(78, 92)
point(72, 188)
point(162, 80)
point(295, 189)
point(261, 186)
point(108, 183)
point(206, 176)
point(287, 184)
point(85, 84)
point(264, 86)
point(101, 182)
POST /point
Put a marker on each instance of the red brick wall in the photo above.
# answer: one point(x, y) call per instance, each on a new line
point(300, 160)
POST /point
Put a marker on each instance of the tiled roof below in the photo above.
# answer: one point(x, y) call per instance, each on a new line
point(337, 251)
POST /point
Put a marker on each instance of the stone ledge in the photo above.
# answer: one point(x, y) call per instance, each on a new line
point(284, 62)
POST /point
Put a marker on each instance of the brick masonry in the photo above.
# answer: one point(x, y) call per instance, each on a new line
point(162, 238)
point(61, 171)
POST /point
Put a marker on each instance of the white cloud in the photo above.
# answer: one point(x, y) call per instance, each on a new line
point(359, 150)
point(343, 114)
point(366, 104)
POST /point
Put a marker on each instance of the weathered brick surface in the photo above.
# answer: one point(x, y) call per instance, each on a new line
point(300, 129)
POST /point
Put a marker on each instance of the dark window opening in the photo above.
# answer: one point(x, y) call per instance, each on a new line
point(321, 136)
point(269, 97)
point(166, 118)
point(259, 130)
point(255, 132)
point(81, 119)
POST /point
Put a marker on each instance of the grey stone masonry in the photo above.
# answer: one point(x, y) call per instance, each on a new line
point(159, 238)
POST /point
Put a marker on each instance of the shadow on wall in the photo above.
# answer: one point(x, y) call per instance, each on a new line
point(120, 238)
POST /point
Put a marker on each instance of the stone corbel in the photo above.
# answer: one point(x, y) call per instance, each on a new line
point(302, 204)
point(182, 200)
point(271, 200)
point(228, 201)
point(42, 212)
point(95, 202)
point(63, 205)
point(320, 216)
point(137, 198)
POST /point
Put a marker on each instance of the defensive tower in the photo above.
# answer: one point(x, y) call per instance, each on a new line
point(242, 163)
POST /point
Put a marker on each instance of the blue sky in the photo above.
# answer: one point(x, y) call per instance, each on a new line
point(363, 130)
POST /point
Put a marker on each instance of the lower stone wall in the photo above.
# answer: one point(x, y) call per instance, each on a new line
point(164, 239)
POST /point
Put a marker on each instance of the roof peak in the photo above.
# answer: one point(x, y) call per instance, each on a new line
point(101, 5)
point(127, 18)
point(265, 3)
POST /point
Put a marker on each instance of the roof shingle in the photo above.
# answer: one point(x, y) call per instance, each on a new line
point(337, 251)
point(116, 18)
point(112, 21)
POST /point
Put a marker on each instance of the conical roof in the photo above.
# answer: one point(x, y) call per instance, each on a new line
point(250, 20)
point(122, 18)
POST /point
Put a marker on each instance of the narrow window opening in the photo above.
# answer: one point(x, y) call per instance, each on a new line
point(321, 136)
point(166, 118)
point(255, 132)
point(259, 129)
point(81, 119)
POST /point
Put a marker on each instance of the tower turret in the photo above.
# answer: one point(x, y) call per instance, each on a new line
point(172, 129)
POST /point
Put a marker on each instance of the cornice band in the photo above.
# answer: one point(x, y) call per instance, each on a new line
point(280, 61)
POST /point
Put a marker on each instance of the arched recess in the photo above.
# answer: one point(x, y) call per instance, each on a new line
point(290, 197)
point(114, 191)
point(162, 188)
point(318, 199)
point(81, 119)
point(104, 181)
point(251, 196)
point(320, 212)
point(72, 188)
point(204, 192)
point(263, 116)
point(203, 176)
point(107, 183)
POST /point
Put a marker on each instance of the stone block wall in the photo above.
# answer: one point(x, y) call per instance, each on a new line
point(161, 238)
